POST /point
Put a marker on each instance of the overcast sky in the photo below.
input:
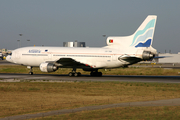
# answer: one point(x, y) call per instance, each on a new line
point(52, 22)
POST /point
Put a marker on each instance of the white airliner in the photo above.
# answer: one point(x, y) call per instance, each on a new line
point(120, 51)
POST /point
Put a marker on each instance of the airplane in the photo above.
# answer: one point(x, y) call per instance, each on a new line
point(120, 51)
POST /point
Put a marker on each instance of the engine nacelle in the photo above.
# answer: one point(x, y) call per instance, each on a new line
point(48, 67)
point(147, 55)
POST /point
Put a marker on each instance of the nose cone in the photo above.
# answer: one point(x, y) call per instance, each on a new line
point(8, 58)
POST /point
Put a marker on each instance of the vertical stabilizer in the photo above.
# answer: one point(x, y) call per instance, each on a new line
point(143, 37)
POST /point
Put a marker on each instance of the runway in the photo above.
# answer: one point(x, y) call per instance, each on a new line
point(4, 62)
point(11, 77)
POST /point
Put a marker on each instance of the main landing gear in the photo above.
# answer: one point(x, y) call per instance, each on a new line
point(74, 73)
point(93, 73)
point(96, 74)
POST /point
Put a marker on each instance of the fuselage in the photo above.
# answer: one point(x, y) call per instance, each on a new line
point(95, 57)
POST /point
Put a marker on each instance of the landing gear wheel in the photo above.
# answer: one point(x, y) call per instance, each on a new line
point(71, 74)
point(92, 74)
point(31, 73)
point(76, 74)
point(99, 74)
point(79, 74)
point(96, 74)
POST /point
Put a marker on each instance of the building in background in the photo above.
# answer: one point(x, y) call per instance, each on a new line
point(168, 58)
point(74, 44)
point(5, 52)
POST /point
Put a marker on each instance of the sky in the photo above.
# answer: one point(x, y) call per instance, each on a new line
point(52, 22)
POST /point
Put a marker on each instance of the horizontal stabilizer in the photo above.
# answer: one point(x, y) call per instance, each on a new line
point(161, 57)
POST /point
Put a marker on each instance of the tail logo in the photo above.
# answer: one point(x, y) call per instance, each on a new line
point(143, 38)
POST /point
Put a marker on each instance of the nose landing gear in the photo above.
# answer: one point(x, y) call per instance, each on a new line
point(30, 72)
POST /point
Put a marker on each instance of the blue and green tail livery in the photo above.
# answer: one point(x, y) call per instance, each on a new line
point(143, 37)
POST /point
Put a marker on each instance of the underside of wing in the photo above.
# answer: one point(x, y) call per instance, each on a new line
point(71, 63)
point(129, 59)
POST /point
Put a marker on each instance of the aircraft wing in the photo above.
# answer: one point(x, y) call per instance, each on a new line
point(129, 59)
point(69, 62)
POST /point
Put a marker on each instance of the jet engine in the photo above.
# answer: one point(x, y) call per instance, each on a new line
point(48, 67)
point(147, 55)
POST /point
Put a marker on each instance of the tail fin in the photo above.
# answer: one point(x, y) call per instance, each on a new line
point(143, 37)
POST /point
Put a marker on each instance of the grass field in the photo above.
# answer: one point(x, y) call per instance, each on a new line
point(33, 97)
